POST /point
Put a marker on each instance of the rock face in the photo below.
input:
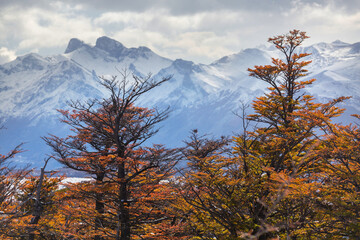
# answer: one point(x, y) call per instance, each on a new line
point(114, 48)
point(74, 44)
point(201, 96)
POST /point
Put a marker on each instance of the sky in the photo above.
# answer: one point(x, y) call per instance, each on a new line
point(198, 30)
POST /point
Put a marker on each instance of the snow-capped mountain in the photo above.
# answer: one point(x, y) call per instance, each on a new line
point(108, 57)
point(201, 96)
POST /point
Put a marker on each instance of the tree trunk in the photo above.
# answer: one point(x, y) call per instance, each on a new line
point(38, 207)
point(123, 231)
point(99, 206)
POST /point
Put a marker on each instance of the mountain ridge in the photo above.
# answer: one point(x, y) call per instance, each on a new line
point(203, 96)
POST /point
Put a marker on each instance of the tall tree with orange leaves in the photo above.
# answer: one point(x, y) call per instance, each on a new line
point(268, 188)
point(290, 129)
point(127, 193)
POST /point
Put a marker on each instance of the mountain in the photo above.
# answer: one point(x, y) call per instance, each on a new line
point(201, 96)
point(108, 56)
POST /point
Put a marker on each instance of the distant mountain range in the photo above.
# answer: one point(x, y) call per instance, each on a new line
point(201, 96)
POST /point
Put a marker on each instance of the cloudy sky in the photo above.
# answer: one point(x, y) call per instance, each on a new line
point(197, 30)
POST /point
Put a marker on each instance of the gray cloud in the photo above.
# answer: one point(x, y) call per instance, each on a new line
point(184, 6)
point(194, 6)
point(199, 30)
point(24, 4)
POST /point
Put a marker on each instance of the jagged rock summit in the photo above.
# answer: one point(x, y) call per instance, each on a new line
point(74, 44)
point(111, 46)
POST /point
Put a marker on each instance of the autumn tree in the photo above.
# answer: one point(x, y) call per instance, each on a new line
point(22, 201)
point(268, 187)
point(40, 207)
point(290, 129)
point(291, 125)
point(340, 202)
point(11, 179)
point(206, 190)
point(126, 196)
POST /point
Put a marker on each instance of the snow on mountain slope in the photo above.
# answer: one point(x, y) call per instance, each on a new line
point(33, 86)
point(201, 96)
point(193, 84)
point(336, 68)
point(190, 83)
point(328, 54)
point(233, 68)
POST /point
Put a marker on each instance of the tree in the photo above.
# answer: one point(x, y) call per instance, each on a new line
point(340, 202)
point(11, 179)
point(40, 204)
point(207, 189)
point(290, 125)
point(38, 200)
point(128, 179)
point(268, 187)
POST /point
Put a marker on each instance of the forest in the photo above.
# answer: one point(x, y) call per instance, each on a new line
point(291, 172)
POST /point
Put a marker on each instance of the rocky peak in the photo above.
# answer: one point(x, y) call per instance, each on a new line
point(74, 44)
point(113, 47)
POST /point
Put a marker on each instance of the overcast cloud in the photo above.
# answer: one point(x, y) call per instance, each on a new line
point(198, 30)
